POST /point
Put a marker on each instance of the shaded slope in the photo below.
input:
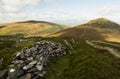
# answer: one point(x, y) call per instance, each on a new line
point(31, 28)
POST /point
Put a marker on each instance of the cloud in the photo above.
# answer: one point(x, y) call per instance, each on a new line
point(110, 10)
point(17, 5)
point(49, 1)
point(12, 11)
point(17, 10)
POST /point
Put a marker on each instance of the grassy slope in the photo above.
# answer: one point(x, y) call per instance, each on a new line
point(99, 29)
point(104, 23)
point(82, 62)
point(85, 62)
point(31, 28)
point(82, 32)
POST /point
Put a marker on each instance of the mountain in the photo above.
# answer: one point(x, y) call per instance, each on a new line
point(104, 23)
point(31, 28)
point(98, 29)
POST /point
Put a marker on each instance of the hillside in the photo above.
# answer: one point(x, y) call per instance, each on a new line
point(31, 28)
point(104, 23)
point(84, 59)
point(98, 29)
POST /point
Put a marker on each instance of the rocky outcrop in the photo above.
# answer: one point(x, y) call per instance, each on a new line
point(32, 62)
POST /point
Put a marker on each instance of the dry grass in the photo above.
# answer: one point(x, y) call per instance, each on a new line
point(30, 29)
point(87, 32)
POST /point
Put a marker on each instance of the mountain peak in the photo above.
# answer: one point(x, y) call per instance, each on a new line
point(103, 20)
point(103, 23)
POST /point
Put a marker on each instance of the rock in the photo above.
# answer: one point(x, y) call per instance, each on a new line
point(22, 77)
point(18, 62)
point(1, 61)
point(39, 67)
point(28, 76)
point(11, 66)
point(3, 74)
point(32, 70)
point(33, 49)
point(18, 54)
point(41, 75)
point(33, 61)
point(12, 70)
point(44, 72)
point(30, 65)
point(41, 58)
point(30, 58)
point(22, 56)
point(16, 74)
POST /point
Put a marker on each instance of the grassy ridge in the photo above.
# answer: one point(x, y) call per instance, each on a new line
point(82, 61)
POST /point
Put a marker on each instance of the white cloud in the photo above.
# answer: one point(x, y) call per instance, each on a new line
point(15, 10)
point(110, 10)
point(17, 5)
point(50, 1)
point(11, 11)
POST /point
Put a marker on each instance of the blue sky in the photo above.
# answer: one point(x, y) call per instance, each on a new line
point(69, 12)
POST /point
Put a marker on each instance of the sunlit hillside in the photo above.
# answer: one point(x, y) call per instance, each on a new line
point(31, 28)
point(99, 29)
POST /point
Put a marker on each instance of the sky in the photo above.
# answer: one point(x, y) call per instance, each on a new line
point(68, 12)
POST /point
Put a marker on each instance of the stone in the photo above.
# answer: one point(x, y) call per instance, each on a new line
point(41, 58)
point(39, 67)
point(33, 48)
point(3, 74)
point(22, 77)
point(18, 54)
point(15, 74)
point(33, 61)
point(12, 65)
point(41, 75)
point(32, 70)
point(30, 58)
point(28, 76)
point(1, 61)
point(44, 72)
point(12, 70)
point(30, 65)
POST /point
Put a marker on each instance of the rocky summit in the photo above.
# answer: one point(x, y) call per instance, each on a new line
point(32, 62)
